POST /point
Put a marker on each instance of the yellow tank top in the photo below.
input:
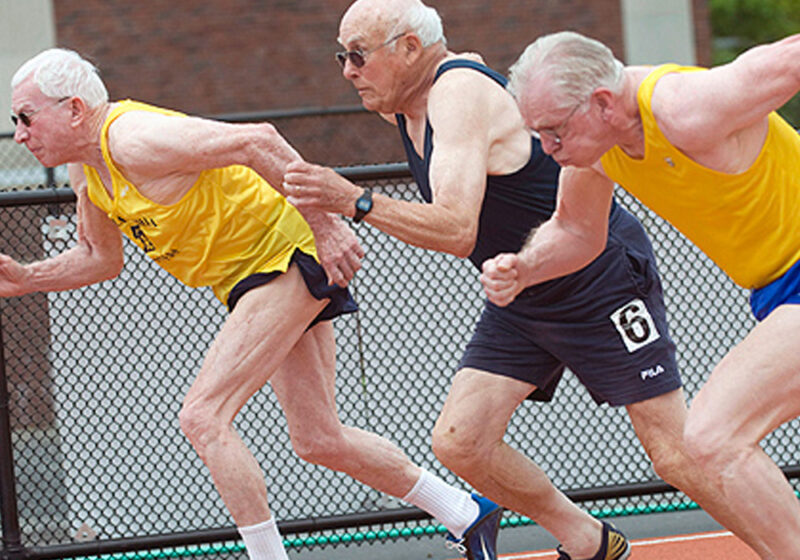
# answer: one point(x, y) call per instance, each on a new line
point(748, 223)
point(229, 225)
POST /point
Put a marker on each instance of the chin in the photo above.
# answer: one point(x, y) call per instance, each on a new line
point(579, 162)
point(370, 105)
point(48, 161)
point(44, 160)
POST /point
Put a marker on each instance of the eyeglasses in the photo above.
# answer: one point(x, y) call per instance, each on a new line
point(554, 133)
point(25, 118)
point(358, 57)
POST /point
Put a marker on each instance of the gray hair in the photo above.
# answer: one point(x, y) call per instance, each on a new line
point(422, 20)
point(64, 73)
point(574, 64)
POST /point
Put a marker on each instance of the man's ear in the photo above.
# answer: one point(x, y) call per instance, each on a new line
point(79, 111)
point(411, 45)
point(604, 99)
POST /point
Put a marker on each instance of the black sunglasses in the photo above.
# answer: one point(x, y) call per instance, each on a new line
point(358, 57)
point(25, 118)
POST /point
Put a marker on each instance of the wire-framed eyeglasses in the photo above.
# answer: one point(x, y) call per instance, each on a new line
point(24, 117)
point(358, 57)
point(555, 133)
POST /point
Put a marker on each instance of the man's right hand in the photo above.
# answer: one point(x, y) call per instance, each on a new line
point(12, 277)
point(501, 278)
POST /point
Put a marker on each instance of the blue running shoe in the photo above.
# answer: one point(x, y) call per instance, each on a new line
point(480, 539)
point(614, 546)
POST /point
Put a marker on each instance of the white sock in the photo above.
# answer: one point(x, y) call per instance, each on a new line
point(454, 508)
point(263, 541)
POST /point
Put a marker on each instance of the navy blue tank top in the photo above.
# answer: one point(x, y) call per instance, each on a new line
point(513, 204)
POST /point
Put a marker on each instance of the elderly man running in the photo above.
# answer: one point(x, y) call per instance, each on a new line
point(197, 196)
point(487, 183)
point(705, 150)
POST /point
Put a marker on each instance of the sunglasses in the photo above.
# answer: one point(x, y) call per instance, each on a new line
point(25, 118)
point(358, 57)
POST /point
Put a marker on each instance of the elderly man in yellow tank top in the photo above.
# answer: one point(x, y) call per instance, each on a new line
point(199, 197)
point(705, 150)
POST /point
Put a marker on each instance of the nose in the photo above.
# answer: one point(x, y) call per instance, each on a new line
point(549, 145)
point(21, 133)
point(349, 70)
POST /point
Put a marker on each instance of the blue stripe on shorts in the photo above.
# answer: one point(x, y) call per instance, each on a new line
point(785, 289)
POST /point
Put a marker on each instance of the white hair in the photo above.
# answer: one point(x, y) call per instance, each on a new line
point(424, 21)
point(64, 73)
point(574, 64)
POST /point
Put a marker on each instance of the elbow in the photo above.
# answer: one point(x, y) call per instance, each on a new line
point(463, 242)
point(107, 271)
point(592, 248)
point(115, 269)
point(108, 265)
point(257, 140)
point(463, 250)
point(597, 247)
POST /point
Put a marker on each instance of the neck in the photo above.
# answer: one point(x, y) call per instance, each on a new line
point(630, 132)
point(415, 103)
point(88, 148)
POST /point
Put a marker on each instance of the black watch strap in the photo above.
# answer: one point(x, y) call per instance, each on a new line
point(363, 205)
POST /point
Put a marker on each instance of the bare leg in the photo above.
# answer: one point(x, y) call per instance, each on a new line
point(468, 439)
point(266, 324)
point(659, 423)
point(752, 391)
point(305, 387)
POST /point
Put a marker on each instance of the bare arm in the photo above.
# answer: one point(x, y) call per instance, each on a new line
point(149, 145)
point(97, 256)
point(698, 109)
point(457, 174)
point(572, 238)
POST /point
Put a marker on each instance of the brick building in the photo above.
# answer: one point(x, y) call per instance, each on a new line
point(241, 56)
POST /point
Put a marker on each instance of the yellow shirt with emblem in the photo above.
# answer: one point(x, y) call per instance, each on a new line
point(229, 225)
point(747, 223)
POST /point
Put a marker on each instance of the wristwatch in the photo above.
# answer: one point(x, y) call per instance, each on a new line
point(363, 205)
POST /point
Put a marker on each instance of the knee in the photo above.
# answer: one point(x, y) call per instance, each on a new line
point(708, 445)
point(199, 425)
point(321, 447)
point(672, 465)
point(457, 447)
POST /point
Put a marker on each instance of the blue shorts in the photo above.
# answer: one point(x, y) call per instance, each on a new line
point(606, 323)
point(785, 289)
point(316, 280)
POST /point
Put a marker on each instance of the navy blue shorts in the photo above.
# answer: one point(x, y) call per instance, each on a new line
point(606, 323)
point(316, 280)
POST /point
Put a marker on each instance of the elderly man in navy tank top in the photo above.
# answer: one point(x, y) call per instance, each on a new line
point(486, 184)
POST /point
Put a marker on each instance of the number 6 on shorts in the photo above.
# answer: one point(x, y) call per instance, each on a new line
point(635, 325)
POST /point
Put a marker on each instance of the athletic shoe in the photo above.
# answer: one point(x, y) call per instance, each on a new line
point(614, 546)
point(480, 539)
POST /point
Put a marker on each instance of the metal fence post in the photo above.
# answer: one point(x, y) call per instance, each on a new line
point(12, 541)
point(50, 177)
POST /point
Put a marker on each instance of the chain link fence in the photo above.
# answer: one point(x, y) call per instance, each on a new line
point(96, 377)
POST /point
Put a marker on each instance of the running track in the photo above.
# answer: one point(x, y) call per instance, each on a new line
point(702, 546)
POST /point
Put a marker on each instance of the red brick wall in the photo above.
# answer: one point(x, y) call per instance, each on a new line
point(226, 56)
